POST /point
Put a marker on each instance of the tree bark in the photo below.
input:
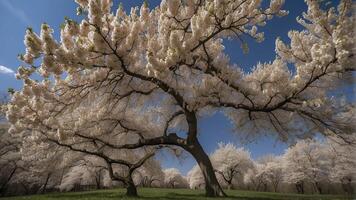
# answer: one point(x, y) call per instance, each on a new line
point(300, 187)
point(45, 184)
point(3, 186)
point(191, 145)
point(275, 187)
point(61, 178)
point(150, 182)
point(318, 187)
point(97, 180)
point(265, 187)
point(212, 186)
point(27, 190)
point(346, 184)
point(258, 186)
point(131, 190)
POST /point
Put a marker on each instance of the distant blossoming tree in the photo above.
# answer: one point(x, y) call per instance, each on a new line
point(87, 171)
point(152, 176)
point(343, 163)
point(10, 158)
point(174, 179)
point(157, 72)
point(273, 172)
point(256, 178)
point(3, 102)
point(45, 161)
point(195, 178)
point(231, 163)
point(307, 162)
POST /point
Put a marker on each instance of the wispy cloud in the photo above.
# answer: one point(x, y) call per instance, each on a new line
point(5, 70)
point(17, 12)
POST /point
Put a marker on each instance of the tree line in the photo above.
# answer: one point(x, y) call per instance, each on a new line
point(309, 166)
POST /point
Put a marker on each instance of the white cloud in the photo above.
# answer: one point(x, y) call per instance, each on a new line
point(20, 14)
point(5, 70)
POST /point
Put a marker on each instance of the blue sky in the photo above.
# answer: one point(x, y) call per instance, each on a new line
point(16, 15)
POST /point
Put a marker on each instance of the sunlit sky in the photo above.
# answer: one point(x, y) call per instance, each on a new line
point(16, 15)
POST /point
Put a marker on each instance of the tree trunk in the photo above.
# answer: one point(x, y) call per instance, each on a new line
point(61, 178)
point(27, 190)
point(347, 186)
point(131, 190)
point(150, 182)
point(265, 187)
point(212, 186)
point(45, 184)
point(97, 180)
point(275, 187)
point(258, 186)
point(3, 186)
point(318, 187)
point(300, 187)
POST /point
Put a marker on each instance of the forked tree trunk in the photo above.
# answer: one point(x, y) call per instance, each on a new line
point(275, 187)
point(212, 186)
point(131, 190)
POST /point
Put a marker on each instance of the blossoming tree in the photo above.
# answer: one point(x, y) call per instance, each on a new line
point(343, 162)
point(195, 178)
point(10, 158)
point(231, 163)
point(89, 170)
point(3, 101)
point(152, 176)
point(166, 67)
point(256, 178)
point(174, 179)
point(44, 161)
point(272, 170)
point(82, 132)
point(307, 162)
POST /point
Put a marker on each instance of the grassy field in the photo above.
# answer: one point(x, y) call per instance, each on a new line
point(174, 194)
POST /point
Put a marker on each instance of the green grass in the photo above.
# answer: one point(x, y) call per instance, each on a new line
point(174, 194)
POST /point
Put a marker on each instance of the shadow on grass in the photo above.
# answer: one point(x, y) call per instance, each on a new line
point(178, 196)
point(167, 196)
point(89, 195)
